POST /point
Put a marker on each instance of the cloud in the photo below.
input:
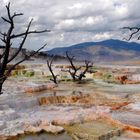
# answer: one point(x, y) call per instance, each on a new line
point(74, 21)
point(5, 1)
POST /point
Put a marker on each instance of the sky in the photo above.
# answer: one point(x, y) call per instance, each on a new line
point(72, 21)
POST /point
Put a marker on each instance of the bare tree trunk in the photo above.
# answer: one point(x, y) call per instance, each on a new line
point(1, 84)
point(49, 64)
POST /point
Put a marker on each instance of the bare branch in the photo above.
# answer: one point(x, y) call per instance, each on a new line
point(3, 34)
point(134, 31)
point(22, 43)
point(2, 46)
point(29, 32)
point(49, 64)
point(10, 20)
point(88, 65)
point(8, 11)
point(3, 39)
point(15, 15)
point(6, 20)
point(71, 61)
point(73, 71)
point(24, 59)
point(2, 55)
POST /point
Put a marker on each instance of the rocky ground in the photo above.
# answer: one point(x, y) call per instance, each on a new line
point(87, 111)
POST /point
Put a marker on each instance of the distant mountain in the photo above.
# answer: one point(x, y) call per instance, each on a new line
point(104, 51)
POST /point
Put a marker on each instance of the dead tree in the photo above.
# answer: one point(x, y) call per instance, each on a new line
point(7, 38)
point(76, 72)
point(49, 64)
point(88, 65)
point(73, 69)
point(134, 32)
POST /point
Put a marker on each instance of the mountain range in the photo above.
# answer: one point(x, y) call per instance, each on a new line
point(103, 51)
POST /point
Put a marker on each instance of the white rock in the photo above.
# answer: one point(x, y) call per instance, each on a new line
point(32, 129)
point(52, 129)
point(134, 106)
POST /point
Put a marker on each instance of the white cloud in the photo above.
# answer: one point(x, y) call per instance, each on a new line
point(101, 36)
point(76, 6)
point(74, 21)
point(94, 20)
point(6, 1)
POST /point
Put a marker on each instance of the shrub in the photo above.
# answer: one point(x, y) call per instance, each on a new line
point(107, 77)
point(29, 73)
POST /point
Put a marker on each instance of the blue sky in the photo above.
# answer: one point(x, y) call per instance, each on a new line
point(73, 21)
